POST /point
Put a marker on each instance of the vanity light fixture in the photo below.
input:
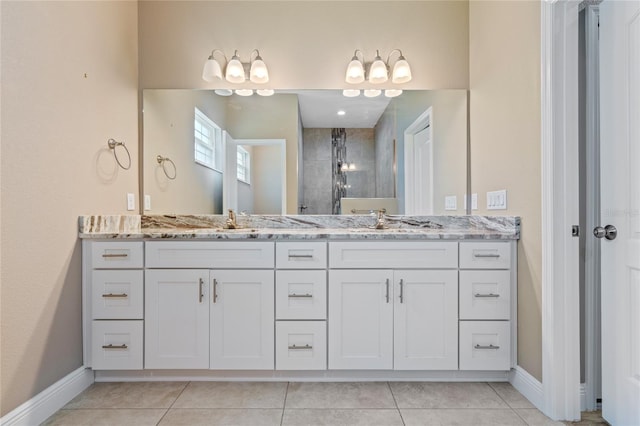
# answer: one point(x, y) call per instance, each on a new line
point(378, 71)
point(235, 70)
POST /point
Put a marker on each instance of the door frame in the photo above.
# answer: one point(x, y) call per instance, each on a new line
point(560, 275)
point(424, 121)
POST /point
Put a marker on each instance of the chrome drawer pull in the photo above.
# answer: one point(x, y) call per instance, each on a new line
point(401, 292)
point(387, 295)
point(300, 256)
point(111, 295)
point(307, 295)
point(297, 348)
point(201, 284)
point(487, 347)
point(215, 290)
point(486, 255)
point(115, 255)
point(110, 346)
point(486, 295)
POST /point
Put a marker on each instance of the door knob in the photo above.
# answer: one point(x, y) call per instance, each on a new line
point(609, 232)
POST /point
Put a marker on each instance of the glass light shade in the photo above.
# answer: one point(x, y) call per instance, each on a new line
point(244, 92)
point(211, 70)
point(259, 72)
point(351, 93)
point(355, 72)
point(235, 71)
point(372, 93)
point(223, 92)
point(392, 93)
point(378, 71)
point(265, 92)
point(401, 71)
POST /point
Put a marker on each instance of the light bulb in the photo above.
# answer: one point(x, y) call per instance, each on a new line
point(401, 71)
point(259, 72)
point(355, 71)
point(235, 71)
point(378, 71)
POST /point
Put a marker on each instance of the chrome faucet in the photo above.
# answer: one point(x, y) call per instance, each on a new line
point(380, 223)
point(231, 221)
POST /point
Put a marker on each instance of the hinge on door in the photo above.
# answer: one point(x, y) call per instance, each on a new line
point(575, 231)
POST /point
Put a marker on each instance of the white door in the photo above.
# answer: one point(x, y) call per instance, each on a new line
point(426, 320)
point(242, 319)
point(230, 173)
point(418, 166)
point(176, 321)
point(360, 319)
point(620, 198)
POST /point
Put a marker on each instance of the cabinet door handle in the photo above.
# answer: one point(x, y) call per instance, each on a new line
point(110, 346)
point(496, 255)
point(300, 256)
point(114, 296)
point(201, 284)
point(486, 347)
point(108, 255)
point(297, 348)
point(215, 290)
point(387, 290)
point(401, 291)
point(299, 296)
point(486, 295)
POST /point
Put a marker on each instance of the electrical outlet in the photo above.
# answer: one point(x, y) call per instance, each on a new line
point(131, 201)
point(497, 200)
point(147, 202)
point(450, 202)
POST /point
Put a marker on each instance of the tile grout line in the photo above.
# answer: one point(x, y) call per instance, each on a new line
point(284, 405)
point(173, 403)
point(396, 402)
point(508, 405)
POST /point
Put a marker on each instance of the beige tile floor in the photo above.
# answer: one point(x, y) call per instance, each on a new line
point(282, 403)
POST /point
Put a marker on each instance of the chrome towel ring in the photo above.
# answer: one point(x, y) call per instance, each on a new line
point(112, 143)
point(163, 161)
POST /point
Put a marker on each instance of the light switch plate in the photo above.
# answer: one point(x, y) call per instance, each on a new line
point(450, 202)
point(497, 200)
point(147, 202)
point(131, 201)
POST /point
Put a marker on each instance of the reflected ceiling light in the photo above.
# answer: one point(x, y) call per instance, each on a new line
point(244, 92)
point(265, 92)
point(235, 71)
point(378, 72)
point(223, 92)
point(392, 93)
point(351, 93)
point(372, 93)
point(342, 112)
point(355, 69)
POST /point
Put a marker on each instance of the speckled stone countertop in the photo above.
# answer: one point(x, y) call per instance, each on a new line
point(303, 227)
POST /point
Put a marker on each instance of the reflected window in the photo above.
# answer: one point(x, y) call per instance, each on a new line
point(207, 137)
point(244, 165)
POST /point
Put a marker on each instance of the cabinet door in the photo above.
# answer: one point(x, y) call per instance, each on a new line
point(360, 319)
point(176, 319)
point(242, 319)
point(426, 320)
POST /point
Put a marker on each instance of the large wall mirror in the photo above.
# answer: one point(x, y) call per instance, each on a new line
point(304, 152)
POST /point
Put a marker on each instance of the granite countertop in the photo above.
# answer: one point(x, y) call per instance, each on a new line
point(303, 227)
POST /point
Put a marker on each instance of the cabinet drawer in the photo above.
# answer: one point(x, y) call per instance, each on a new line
point(301, 294)
point(117, 294)
point(485, 295)
point(481, 255)
point(485, 345)
point(393, 255)
point(116, 254)
point(209, 254)
point(116, 345)
point(301, 345)
point(302, 255)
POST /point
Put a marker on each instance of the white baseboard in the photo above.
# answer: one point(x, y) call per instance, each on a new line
point(46, 403)
point(528, 386)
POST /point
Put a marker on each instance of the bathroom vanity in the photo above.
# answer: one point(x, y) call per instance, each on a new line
point(309, 297)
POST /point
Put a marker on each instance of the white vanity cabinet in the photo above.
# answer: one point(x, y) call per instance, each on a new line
point(213, 317)
point(403, 319)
